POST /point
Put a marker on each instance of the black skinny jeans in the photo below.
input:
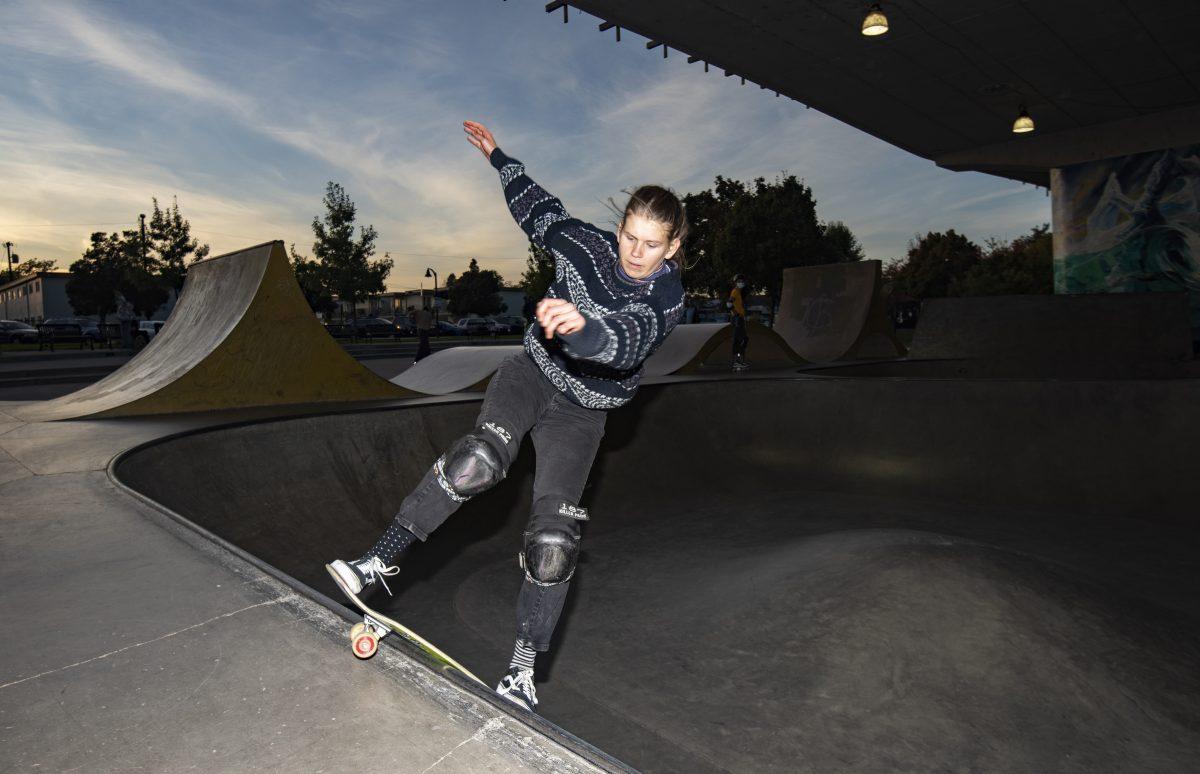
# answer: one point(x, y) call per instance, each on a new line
point(740, 337)
point(520, 400)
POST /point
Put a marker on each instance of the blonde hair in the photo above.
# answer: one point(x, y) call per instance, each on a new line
point(661, 205)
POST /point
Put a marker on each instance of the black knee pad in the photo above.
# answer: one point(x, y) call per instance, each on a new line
point(476, 462)
point(550, 556)
point(552, 542)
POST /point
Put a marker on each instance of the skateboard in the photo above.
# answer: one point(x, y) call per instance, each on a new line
point(365, 636)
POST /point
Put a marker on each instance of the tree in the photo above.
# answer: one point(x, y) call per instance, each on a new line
point(475, 291)
point(539, 272)
point(31, 266)
point(96, 277)
point(770, 230)
point(839, 244)
point(934, 265)
point(311, 277)
point(348, 271)
point(1024, 266)
point(171, 244)
point(706, 270)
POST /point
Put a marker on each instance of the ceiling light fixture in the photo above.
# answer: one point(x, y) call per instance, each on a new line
point(1023, 123)
point(876, 23)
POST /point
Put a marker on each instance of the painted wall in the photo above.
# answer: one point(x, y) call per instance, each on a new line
point(1130, 224)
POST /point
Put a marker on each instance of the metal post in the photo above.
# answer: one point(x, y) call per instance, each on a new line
point(8, 249)
point(431, 273)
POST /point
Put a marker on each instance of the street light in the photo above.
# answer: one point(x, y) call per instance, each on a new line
point(8, 249)
point(431, 273)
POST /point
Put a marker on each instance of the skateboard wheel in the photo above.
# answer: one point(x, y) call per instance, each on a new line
point(365, 644)
point(357, 629)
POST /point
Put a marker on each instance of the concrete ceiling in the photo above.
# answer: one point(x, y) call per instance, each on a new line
point(1101, 78)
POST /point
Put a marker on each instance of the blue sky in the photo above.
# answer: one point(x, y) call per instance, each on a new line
point(244, 110)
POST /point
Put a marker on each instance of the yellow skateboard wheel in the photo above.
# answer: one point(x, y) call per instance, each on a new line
point(365, 643)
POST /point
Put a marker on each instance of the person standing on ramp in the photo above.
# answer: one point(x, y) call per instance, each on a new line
point(615, 297)
point(737, 315)
point(423, 321)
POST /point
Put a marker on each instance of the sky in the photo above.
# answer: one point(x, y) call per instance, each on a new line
point(243, 111)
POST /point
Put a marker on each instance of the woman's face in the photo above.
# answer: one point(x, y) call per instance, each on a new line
point(642, 246)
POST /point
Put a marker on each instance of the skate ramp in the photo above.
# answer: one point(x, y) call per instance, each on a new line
point(455, 369)
point(813, 573)
point(242, 335)
point(836, 311)
point(705, 347)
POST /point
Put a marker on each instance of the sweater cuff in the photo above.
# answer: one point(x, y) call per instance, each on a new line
point(498, 159)
point(587, 342)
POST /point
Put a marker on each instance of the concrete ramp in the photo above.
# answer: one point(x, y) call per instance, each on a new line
point(242, 335)
point(455, 370)
point(707, 347)
point(682, 347)
point(836, 311)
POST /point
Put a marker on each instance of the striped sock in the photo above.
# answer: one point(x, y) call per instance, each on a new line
point(394, 542)
point(523, 655)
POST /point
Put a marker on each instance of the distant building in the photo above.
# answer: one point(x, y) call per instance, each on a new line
point(36, 298)
point(43, 296)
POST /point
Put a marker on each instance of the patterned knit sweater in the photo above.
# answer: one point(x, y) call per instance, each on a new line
point(599, 366)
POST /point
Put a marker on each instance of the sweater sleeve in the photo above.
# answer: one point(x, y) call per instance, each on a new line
point(540, 215)
point(626, 337)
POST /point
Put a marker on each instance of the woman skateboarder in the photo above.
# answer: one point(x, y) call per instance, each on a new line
point(614, 298)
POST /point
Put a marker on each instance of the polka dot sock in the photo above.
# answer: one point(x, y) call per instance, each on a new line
point(394, 542)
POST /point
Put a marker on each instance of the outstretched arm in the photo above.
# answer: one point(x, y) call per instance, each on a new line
point(537, 212)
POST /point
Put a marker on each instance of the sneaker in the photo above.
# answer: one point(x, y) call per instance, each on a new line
point(517, 687)
point(740, 366)
point(359, 574)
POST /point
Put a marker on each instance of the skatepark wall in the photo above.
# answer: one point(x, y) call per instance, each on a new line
point(292, 491)
point(1105, 336)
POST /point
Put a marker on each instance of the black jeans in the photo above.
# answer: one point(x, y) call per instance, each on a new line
point(740, 338)
point(422, 345)
point(520, 400)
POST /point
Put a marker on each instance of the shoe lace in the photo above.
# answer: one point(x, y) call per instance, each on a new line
point(376, 568)
point(522, 682)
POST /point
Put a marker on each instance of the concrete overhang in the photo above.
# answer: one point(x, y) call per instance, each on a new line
point(1102, 78)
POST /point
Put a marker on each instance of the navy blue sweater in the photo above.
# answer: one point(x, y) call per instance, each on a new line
point(599, 366)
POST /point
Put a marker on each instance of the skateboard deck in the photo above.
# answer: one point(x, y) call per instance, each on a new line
point(365, 636)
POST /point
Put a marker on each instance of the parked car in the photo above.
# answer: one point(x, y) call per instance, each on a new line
point(375, 328)
point(146, 329)
point(473, 326)
point(338, 330)
point(71, 326)
point(446, 328)
point(15, 332)
point(404, 326)
point(503, 325)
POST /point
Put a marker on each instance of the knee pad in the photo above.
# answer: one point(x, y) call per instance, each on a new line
point(550, 555)
point(473, 464)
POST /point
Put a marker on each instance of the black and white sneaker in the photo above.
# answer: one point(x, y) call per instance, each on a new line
point(517, 687)
point(361, 573)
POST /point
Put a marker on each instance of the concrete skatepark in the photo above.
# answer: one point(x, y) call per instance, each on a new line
point(787, 570)
point(979, 555)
